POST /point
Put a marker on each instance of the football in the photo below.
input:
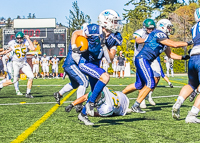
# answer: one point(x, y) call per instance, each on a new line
point(82, 41)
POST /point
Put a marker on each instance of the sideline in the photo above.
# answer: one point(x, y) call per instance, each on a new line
point(33, 127)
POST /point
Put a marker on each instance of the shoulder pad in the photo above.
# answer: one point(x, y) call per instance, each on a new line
point(138, 33)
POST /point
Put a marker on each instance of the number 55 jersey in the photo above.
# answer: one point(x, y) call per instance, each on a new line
point(19, 50)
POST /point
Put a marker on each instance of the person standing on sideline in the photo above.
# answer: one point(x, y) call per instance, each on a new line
point(121, 64)
point(169, 65)
point(35, 62)
point(114, 66)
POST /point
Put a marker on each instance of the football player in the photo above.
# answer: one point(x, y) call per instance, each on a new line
point(102, 42)
point(193, 75)
point(44, 62)
point(76, 77)
point(156, 42)
point(55, 61)
point(108, 103)
point(20, 47)
point(35, 62)
point(8, 66)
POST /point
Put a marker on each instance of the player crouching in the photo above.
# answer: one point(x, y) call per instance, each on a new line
point(107, 104)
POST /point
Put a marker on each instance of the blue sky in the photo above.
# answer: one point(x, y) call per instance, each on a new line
point(59, 9)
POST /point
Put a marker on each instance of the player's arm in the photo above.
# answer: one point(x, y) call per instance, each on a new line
point(41, 62)
point(33, 62)
point(112, 53)
point(172, 55)
point(139, 40)
point(75, 34)
point(1, 49)
point(174, 44)
point(31, 46)
point(6, 51)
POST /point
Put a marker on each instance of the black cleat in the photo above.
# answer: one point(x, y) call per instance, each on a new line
point(29, 95)
point(192, 96)
point(79, 108)
point(69, 108)
point(171, 85)
point(57, 97)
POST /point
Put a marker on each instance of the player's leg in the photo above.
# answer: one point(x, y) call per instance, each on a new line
point(48, 72)
point(28, 72)
point(119, 71)
point(167, 67)
point(56, 71)
point(146, 75)
point(95, 72)
point(193, 75)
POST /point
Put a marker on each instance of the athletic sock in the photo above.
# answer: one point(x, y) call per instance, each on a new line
point(28, 91)
point(195, 110)
point(81, 91)
point(68, 87)
point(97, 89)
point(83, 112)
point(181, 99)
point(1, 85)
point(16, 84)
point(136, 104)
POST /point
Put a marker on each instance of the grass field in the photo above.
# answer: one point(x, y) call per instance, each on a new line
point(156, 125)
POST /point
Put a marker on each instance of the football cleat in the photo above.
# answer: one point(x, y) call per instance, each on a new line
point(85, 120)
point(191, 118)
point(128, 110)
point(171, 85)
point(137, 110)
point(18, 92)
point(143, 104)
point(69, 108)
point(90, 108)
point(57, 97)
point(176, 110)
point(79, 108)
point(29, 95)
point(192, 96)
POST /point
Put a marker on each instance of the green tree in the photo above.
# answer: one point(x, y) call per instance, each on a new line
point(76, 18)
point(9, 22)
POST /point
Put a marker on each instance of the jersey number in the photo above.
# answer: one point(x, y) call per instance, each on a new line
point(20, 53)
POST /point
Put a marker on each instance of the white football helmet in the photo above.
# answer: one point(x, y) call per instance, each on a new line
point(197, 14)
point(165, 25)
point(109, 19)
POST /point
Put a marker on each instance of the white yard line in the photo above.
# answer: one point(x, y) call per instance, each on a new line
point(106, 85)
point(36, 103)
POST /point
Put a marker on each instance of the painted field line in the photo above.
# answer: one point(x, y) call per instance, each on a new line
point(106, 85)
point(33, 127)
point(37, 103)
point(158, 97)
point(178, 82)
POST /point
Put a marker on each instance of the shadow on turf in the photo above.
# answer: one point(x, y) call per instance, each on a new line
point(119, 121)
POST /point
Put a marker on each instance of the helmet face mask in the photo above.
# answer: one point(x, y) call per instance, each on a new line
point(110, 20)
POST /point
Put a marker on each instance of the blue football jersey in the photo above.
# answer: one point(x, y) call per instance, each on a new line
point(69, 60)
point(152, 48)
point(195, 30)
point(95, 37)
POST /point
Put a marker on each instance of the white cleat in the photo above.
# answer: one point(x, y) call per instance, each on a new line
point(176, 110)
point(152, 102)
point(137, 110)
point(85, 120)
point(191, 118)
point(90, 108)
point(143, 104)
point(128, 110)
point(18, 93)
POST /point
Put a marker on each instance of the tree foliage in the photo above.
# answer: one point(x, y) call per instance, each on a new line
point(77, 18)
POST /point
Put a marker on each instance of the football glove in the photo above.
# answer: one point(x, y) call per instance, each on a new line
point(77, 50)
point(185, 57)
point(69, 108)
point(190, 42)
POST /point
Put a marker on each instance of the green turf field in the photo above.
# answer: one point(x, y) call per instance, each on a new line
point(156, 125)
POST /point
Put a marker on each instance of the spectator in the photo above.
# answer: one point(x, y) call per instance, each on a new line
point(121, 64)
point(35, 62)
point(105, 64)
point(169, 65)
point(1, 66)
point(114, 66)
